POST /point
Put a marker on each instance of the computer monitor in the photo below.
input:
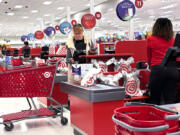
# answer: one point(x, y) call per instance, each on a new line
point(172, 53)
point(177, 41)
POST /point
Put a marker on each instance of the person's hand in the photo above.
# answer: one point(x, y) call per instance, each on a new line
point(72, 60)
point(92, 51)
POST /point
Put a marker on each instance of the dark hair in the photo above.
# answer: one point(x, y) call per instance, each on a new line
point(26, 43)
point(163, 28)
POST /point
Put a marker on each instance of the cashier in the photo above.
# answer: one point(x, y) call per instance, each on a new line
point(78, 45)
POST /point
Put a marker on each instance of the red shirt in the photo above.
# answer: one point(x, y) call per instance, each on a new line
point(156, 49)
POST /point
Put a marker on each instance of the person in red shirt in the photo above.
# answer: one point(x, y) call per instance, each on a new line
point(26, 46)
point(162, 81)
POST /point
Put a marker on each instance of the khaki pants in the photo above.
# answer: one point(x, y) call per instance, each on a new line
point(70, 77)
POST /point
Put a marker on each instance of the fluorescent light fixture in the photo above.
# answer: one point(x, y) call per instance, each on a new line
point(18, 6)
point(60, 8)
point(47, 2)
point(152, 17)
point(39, 19)
point(169, 6)
point(167, 12)
point(34, 11)
point(25, 17)
point(10, 14)
point(87, 5)
point(47, 15)
point(47, 22)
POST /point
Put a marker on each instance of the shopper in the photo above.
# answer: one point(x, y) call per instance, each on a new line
point(26, 46)
point(162, 82)
point(77, 45)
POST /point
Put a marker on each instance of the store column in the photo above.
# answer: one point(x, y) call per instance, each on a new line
point(92, 12)
point(131, 29)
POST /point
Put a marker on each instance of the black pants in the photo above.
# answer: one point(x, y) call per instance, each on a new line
point(162, 83)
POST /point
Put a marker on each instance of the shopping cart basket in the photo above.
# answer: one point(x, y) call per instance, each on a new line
point(30, 82)
point(145, 119)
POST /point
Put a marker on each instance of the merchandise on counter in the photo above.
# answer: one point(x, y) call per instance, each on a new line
point(124, 65)
point(79, 71)
point(90, 77)
point(99, 64)
point(61, 50)
point(110, 79)
point(132, 83)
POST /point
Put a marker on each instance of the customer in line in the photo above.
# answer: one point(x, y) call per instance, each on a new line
point(163, 80)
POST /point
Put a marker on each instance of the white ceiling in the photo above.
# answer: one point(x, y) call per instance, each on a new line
point(16, 25)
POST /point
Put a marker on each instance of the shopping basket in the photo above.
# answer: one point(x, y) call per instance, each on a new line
point(30, 82)
point(145, 120)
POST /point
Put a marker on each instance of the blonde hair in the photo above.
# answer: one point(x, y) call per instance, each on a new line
point(78, 28)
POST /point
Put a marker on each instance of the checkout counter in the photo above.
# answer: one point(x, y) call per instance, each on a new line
point(92, 107)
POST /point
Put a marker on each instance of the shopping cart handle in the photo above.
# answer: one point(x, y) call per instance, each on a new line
point(175, 133)
point(145, 104)
point(172, 117)
point(151, 129)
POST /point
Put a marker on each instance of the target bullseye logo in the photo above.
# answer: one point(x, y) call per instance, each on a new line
point(123, 67)
point(103, 67)
point(131, 87)
point(47, 74)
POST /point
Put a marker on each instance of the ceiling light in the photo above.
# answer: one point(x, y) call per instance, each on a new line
point(47, 22)
point(10, 14)
point(34, 11)
point(18, 6)
point(47, 2)
point(60, 8)
point(169, 6)
point(167, 12)
point(25, 17)
point(39, 19)
point(87, 5)
point(47, 15)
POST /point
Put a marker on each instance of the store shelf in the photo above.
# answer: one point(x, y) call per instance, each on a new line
point(108, 55)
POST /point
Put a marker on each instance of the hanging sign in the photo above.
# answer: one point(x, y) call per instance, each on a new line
point(39, 34)
point(50, 31)
point(98, 15)
point(88, 21)
point(23, 38)
point(65, 28)
point(125, 10)
point(139, 3)
point(73, 22)
point(57, 27)
point(30, 37)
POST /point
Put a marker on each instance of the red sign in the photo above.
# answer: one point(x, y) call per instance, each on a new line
point(39, 34)
point(139, 3)
point(88, 21)
point(98, 15)
point(57, 27)
point(73, 22)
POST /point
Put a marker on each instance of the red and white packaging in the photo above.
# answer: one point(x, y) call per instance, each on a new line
point(124, 65)
point(99, 64)
point(90, 77)
point(132, 83)
point(61, 50)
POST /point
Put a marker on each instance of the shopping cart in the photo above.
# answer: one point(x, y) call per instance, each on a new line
point(30, 82)
point(145, 119)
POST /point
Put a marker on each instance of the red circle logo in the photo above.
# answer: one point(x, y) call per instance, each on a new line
point(73, 22)
point(98, 15)
point(39, 34)
point(88, 21)
point(139, 3)
point(57, 27)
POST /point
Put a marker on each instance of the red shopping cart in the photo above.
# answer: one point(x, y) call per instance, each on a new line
point(145, 119)
point(30, 82)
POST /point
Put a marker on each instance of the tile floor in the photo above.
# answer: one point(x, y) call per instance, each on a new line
point(44, 126)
